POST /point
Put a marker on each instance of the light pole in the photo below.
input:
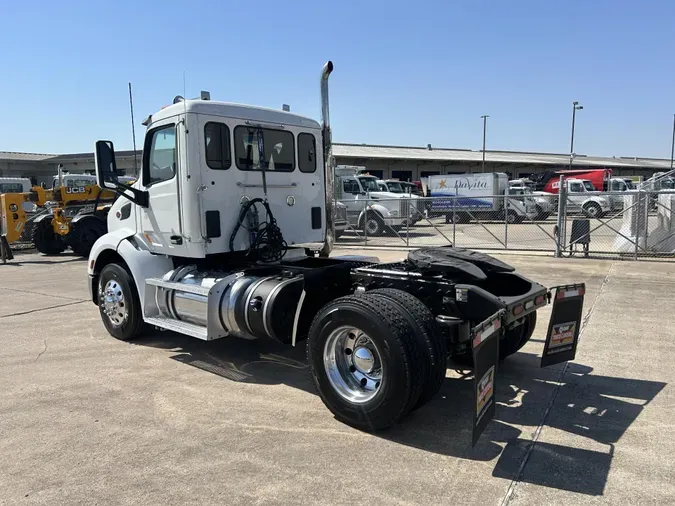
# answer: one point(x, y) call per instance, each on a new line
point(485, 117)
point(575, 107)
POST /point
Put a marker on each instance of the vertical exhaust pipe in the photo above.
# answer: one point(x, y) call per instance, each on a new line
point(327, 160)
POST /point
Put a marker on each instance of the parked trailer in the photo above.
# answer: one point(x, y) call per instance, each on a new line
point(188, 250)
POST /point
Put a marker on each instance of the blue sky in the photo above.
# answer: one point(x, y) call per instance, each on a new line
point(406, 73)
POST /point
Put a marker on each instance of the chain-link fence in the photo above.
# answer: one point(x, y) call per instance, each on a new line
point(635, 223)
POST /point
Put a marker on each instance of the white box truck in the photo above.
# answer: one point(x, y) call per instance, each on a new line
point(476, 197)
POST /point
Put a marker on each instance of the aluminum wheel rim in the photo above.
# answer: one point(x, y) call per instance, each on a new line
point(353, 364)
point(372, 226)
point(113, 304)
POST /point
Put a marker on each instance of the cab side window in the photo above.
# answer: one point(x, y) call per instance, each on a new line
point(350, 186)
point(159, 155)
point(306, 152)
point(217, 140)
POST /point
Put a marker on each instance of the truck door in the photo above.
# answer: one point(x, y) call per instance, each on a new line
point(576, 194)
point(350, 195)
point(160, 222)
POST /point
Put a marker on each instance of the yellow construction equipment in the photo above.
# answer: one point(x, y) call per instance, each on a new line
point(65, 216)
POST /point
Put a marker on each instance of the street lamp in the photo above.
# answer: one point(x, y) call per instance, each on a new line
point(485, 117)
point(575, 107)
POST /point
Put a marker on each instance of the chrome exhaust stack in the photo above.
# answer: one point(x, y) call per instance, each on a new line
point(328, 160)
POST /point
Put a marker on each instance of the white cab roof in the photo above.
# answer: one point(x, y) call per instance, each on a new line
point(230, 110)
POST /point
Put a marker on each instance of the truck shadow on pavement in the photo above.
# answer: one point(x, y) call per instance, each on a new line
point(594, 411)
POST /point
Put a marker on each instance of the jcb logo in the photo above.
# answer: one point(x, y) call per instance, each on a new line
point(80, 189)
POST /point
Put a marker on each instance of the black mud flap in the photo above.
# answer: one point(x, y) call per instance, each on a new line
point(485, 343)
point(563, 329)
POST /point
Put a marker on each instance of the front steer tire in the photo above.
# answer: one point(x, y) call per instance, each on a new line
point(119, 303)
point(398, 349)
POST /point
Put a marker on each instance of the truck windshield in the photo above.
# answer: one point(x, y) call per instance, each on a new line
point(395, 187)
point(369, 184)
point(589, 186)
point(630, 185)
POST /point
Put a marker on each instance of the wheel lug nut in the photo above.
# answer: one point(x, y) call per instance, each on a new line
point(352, 368)
point(364, 382)
point(348, 351)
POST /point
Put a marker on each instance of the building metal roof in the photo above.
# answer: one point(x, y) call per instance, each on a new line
point(431, 154)
point(444, 155)
point(13, 156)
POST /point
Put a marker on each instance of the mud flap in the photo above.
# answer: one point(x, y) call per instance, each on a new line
point(485, 345)
point(563, 329)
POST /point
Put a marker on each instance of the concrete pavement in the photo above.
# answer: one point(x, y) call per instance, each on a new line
point(86, 419)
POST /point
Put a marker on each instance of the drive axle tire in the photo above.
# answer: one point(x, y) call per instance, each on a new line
point(84, 234)
point(429, 333)
point(514, 339)
point(365, 360)
point(118, 303)
point(511, 342)
point(47, 241)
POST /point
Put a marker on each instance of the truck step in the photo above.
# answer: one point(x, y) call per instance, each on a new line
point(182, 287)
point(181, 327)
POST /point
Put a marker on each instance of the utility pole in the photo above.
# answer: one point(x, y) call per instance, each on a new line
point(485, 117)
point(575, 107)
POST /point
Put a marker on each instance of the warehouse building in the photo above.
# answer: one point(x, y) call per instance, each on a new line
point(401, 162)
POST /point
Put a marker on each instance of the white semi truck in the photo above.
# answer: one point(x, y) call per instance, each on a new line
point(371, 209)
point(226, 234)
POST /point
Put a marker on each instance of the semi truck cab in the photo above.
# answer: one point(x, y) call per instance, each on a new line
point(227, 234)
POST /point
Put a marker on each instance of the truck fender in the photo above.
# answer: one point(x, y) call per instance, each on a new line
point(377, 208)
point(131, 254)
point(601, 201)
point(143, 264)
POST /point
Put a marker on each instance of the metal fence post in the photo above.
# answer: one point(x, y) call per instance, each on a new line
point(365, 220)
point(648, 197)
point(562, 218)
point(407, 220)
point(454, 223)
point(506, 216)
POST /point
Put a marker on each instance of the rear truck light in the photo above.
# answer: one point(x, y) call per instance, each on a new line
point(529, 304)
point(563, 293)
point(517, 310)
point(540, 300)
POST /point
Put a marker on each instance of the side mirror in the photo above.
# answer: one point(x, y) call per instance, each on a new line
point(106, 167)
point(107, 176)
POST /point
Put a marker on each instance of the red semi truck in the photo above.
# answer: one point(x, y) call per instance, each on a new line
point(550, 181)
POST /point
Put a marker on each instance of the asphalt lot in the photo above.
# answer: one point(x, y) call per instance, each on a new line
point(86, 419)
